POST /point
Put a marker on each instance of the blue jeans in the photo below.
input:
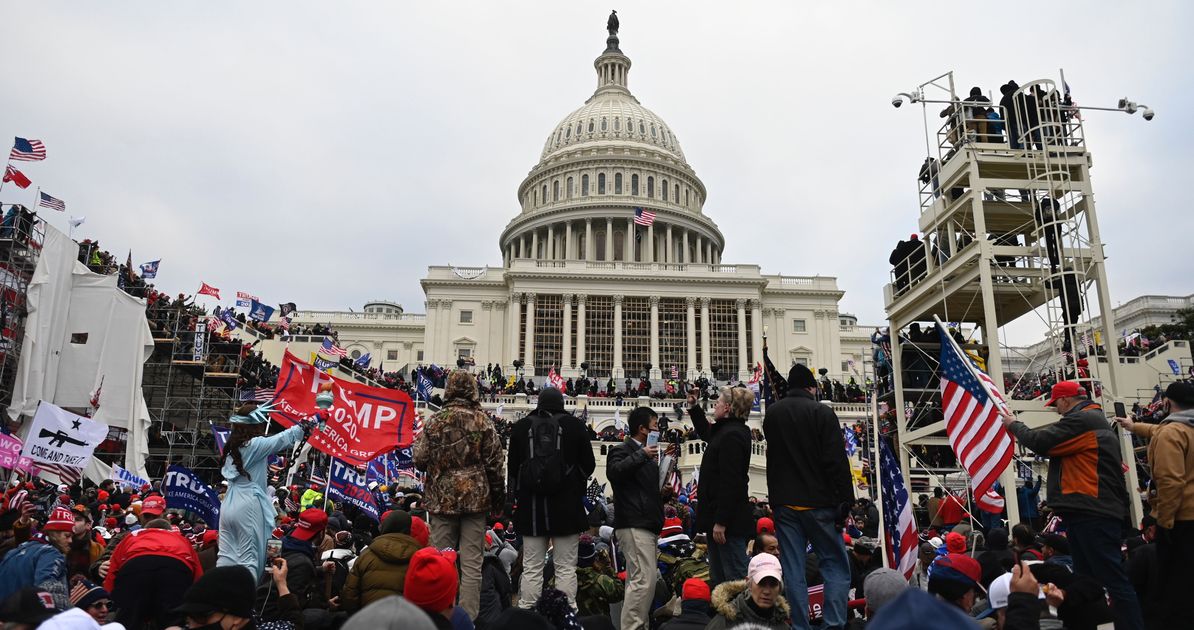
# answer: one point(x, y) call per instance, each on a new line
point(796, 531)
point(1095, 546)
point(727, 562)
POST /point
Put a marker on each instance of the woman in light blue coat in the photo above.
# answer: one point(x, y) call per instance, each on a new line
point(247, 513)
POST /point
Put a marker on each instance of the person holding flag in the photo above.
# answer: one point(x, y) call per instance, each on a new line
point(1086, 489)
point(247, 512)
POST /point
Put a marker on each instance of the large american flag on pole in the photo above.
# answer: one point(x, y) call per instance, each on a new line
point(902, 542)
point(27, 150)
point(972, 403)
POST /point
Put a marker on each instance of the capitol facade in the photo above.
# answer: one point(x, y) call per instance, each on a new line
point(581, 282)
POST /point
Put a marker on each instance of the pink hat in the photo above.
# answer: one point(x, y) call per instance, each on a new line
point(764, 565)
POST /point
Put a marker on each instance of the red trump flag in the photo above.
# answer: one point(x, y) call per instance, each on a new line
point(363, 422)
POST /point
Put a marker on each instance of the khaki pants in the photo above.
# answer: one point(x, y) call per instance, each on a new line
point(534, 555)
point(465, 534)
point(639, 547)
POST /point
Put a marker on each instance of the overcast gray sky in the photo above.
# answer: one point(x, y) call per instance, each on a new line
point(327, 153)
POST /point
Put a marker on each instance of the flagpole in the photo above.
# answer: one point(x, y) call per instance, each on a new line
point(327, 486)
point(877, 469)
point(998, 400)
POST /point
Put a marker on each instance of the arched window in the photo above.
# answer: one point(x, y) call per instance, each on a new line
point(617, 183)
point(568, 133)
point(617, 124)
point(584, 185)
point(599, 243)
point(642, 130)
point(555, 190)
point(536, 197)
point(544, 193)
point(663, 190)
point(579, 127)
point(619, 246)
point(653, 135)
point(600, 183)
point(603, 123)
point(569, 187)
point(677, 197)
point(558, 137)
point(651, 187)
point(686, 196)
point(591, 121)
point(634, 185)
point(629, 126)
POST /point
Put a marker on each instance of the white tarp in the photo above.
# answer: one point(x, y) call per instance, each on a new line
point(111, 342)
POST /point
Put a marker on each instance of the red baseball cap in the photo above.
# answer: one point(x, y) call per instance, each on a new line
point(1063, 389)
point(311, 522)
point(153, 505)
point(765, 525)
point(958, 568)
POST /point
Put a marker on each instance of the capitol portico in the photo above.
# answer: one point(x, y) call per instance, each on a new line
point(581, 282)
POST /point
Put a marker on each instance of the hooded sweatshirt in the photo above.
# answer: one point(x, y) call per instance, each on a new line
point(1171, 455)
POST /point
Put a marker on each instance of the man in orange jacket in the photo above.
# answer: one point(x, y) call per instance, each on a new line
point(150, 571)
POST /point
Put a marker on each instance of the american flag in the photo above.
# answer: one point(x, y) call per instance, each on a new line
point(643, 217)
point(317, 479)
point(595, 491)
point(27, 151)
point(331, 349)
point(897, 513)
point(675, 372)
point(256, 394)
point(976, 434)
point(68, 475)
point(52, 203)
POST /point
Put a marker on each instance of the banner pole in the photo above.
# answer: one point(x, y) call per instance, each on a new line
point(327, 488)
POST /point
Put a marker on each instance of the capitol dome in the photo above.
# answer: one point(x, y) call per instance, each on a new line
point(605, 163)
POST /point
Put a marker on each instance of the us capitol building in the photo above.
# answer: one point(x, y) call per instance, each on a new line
point(581, 283)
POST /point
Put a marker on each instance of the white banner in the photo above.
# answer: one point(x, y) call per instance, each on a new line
point(127, 478)
point(61, 437)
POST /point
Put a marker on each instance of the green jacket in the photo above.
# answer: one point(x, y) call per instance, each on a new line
point(596, 591)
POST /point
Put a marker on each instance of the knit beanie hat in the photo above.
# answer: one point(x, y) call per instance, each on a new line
point(61, 520)
point(388, 613)
point(419, 531)
point(882, 586)
point(229, 589)
point(85, 593)
point(551, 400)
point(955, 542)
point(695, 588)
point(396, 522)
point(431, 579)
point(801, 377)
point(586, 551)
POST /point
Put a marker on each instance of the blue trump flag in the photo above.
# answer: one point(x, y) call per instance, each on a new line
point(184, 491)
point(260, 312)
point(348, 485)
point(220, 435)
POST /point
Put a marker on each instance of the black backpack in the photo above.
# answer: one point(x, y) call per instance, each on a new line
point(544, 471)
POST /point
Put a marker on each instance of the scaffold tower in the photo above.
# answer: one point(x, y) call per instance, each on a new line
point(1008, 230)
point(21, 238)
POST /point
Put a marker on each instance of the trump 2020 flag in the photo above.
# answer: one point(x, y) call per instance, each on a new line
point(897, 513)
point(972, 403)
point(62, 438)
point(149, 270)
point(184, 491)
point(346, 484)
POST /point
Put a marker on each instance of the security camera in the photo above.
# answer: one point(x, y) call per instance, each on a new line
point(896, 101)
point(1148, 113)
point(1127, 106)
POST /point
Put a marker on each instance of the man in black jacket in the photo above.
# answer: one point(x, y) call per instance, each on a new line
point(633, 470)
point(808, 480)
point(559, 516)
point(725, 514)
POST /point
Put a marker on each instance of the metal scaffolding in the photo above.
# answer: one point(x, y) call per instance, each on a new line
point(21, 238)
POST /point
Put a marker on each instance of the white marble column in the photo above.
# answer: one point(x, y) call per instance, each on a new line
point(550, 250)
point(485, 344)
point(706, 345)
point(566, 346)
point(669, 254)
point(580, 328)
point(741, 367)
point(515, 332)
point(700, 250)
point(655, 367)
point(649, 250)
point(529, 359)
point(568, 247)
point(590, 252)
point(535, 244)
point(522, 246)
point(609, 239)
point(709, 252)
point(617, 367)
point(690, 371)
point(628, 250)
point(684, 244)
point(756, 331)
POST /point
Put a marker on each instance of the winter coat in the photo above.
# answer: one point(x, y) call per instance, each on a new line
point(806, 454)
point(38, 565)
point(463, 457)
point(563, 513)
point(694, 615)
point(635, 480)
point(1171, 455)
point(595, 591)
point(729, 602)
point(496, 590)
point(724, 483)
point(152, 542)
point(303, 578)
point(1085, 469)
point(379, 572)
